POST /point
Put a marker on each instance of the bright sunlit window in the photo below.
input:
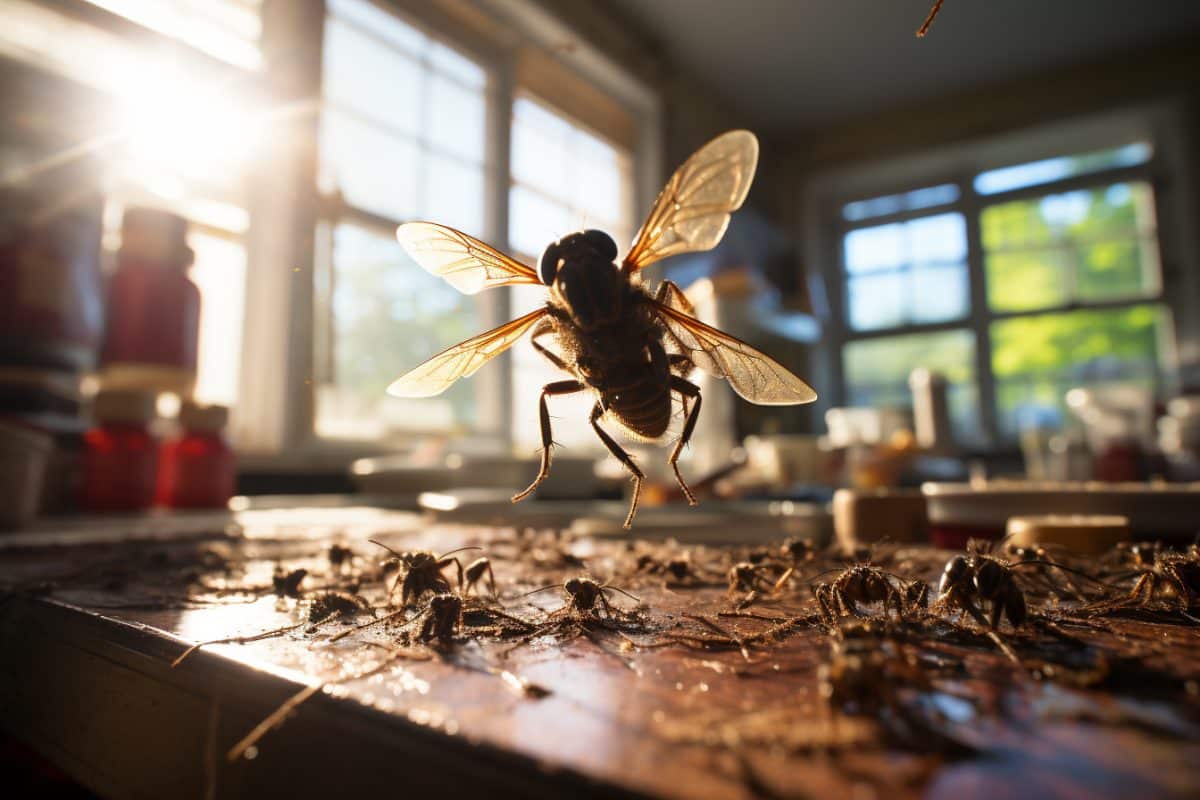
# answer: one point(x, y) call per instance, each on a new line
point(1070, 275)
point(564, 178)
point(402, 138)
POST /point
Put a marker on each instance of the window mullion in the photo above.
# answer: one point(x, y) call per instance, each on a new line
point(981, 317)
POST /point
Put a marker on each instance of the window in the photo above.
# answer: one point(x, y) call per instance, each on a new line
point(1063, 288)
point(564, 179)
point(402, 137)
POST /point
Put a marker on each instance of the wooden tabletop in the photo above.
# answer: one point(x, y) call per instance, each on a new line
point(669, 697)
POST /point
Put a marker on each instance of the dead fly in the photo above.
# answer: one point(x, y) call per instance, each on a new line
point(422, 572)
point(475, 572)
point(287, 583)
point(677, 571)
point(973, 582)
point(335, 604)
point(870, 672)
point(1166, 576)
point(749, 580)
point(340, 557)
point(631, 349)
point(582, 596)
point(865, 584)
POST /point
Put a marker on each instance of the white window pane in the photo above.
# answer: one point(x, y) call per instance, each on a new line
point(535, 221)
point(875, 248)
point(456, 65)
point(596, 190)
point(939, 292)
point(388, 316)
point(455, 195)
point(536, 117)
point(369, 16)
point(219, 272)
point(539, 159)
point(456, 119)
point(374, 171)
point(877, 301)
point(938, 238)
point(364, 74)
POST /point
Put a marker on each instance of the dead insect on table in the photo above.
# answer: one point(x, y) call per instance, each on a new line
point(632, 350)
point(422, 572)
point(475, 572)
point(582, 596)
point(286, 583)
point(974, 581)
point(864, 584)
point(749, 580)
point(1167, 576)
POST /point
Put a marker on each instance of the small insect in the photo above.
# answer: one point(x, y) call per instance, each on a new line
point(749, 577)
point(863, 584)
point(475, 572)
point(335, 604)
point(1164, 575)
point(973, 581)
point(582, 595)
point(631, 349)
point(442, 619)
point(286, 583)
point(423, 572)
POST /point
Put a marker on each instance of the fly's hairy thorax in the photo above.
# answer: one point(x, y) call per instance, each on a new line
point(611, 340)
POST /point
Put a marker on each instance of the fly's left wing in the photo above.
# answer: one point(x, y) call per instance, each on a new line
point(692, 211)
point(466, 263)
point(754, 375)
point(440, 372)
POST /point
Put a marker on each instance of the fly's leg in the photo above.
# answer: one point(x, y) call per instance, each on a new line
point(556, 388)
point(543, 328)
point(671, 295)
point(686, 389)
point(623, 457)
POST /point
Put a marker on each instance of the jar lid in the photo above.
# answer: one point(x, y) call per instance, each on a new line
point(1082, 533)
point(155, 235)
point(195, 416)
point(125, 405)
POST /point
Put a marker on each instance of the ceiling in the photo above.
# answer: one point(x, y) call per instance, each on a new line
point(795, 64)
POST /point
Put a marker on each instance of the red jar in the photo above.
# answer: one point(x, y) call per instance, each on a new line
point(120, 454)
point(197, 470)
point(153, 308)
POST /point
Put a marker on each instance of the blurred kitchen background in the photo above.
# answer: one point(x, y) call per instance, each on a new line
point(980, 246)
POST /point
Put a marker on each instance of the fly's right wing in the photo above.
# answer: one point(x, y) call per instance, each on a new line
point(466, 263)
point(692, 211)
point(440, 372)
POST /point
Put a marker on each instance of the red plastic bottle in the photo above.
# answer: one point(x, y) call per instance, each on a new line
point(197, 470)
point(153, 308)
point(120, 454)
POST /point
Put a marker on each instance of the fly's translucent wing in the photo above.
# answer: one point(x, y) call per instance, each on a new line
point(754, 375)
point(692, 211)
point(440, 372)
point(466, 263)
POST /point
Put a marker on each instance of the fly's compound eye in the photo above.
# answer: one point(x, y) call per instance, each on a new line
point(602, 243)
point(548, 266)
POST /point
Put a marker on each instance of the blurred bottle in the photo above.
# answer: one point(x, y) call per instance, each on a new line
point(197, 470)
point(153, 308)
point(1119, 422)
point(931, 411)
point(121, 454)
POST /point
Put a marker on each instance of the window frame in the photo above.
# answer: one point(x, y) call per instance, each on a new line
point(825, 195)
point(283, 420)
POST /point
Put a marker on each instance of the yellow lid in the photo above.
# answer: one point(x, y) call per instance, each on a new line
point(1081, 533)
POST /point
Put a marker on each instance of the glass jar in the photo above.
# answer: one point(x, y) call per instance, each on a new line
point(120, 453)
point(198, 469)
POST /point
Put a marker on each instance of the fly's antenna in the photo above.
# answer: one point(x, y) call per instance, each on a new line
point(459, 550)
point(632, 597)
point(385, 547)
point(535, 591)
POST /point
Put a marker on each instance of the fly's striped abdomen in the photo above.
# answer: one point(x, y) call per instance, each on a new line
point(644, 406)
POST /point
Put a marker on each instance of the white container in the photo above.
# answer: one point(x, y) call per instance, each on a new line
point(23, 454)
